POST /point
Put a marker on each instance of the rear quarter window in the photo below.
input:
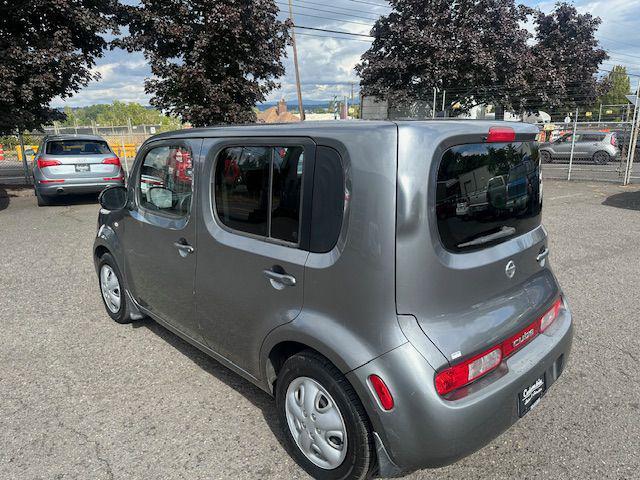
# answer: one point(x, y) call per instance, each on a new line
point(487, 193)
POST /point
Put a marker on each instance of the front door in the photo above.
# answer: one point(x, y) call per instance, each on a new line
point(160, 234)
point(251, 252)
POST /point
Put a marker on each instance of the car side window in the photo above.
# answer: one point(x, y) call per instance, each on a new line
point(165, 182)
point(258, 190)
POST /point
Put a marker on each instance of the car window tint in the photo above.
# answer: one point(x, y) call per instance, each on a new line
point(285, 196)
point(165, 182)
point(257, 190)
point(242, 188)
point(77, 147)
point(487, 194)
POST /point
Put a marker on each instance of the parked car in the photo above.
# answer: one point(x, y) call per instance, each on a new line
point(598, 147)
point(339, 267)
point(74, 164)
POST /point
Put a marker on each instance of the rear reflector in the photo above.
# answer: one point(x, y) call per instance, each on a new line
point(50, 181)
point(501, 135)
point(110, 179)
point(472, 369)
point(42, 163)
point(112, 161)
point(382, 391)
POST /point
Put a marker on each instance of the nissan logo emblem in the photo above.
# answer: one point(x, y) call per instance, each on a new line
point(510, 269)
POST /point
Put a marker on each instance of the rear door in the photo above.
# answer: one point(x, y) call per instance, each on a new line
point(252, 244)
point(472, 277)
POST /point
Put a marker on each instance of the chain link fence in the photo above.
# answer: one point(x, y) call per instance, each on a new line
point(596, 151)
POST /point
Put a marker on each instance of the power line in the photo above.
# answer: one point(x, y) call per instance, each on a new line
point(333, 31)
point(335, 37)
point(350, 15)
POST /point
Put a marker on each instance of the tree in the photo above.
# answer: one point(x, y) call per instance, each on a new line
point(47, 49)
point(118, 113)
point(480, 52)
point(212, 60)
point(566, 59)
point(618, 86)
point(475, 50)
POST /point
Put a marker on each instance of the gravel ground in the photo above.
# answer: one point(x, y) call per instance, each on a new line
point(85, 398)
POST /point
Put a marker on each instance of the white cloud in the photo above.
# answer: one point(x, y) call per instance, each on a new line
point(327, 64)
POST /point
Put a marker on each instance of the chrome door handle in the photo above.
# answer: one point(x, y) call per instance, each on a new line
point(281, 278)
point(542, 255)
point(184, 248)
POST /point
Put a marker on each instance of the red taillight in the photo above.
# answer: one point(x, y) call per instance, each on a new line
point(382, 391)
point(50, 181)
point(109, 179)
point(470, 370)
point(501, 135)
point(466, 372)
point(550, 316)
point(42, 163)
point(112, 161)
point(613, 140)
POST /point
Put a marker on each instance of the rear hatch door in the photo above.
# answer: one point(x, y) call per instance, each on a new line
point(471, 252)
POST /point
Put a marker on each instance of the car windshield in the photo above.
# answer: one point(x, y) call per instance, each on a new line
point(77, 147)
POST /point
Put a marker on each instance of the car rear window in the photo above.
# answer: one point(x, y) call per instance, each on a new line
point(487, 193)
point(78, 147)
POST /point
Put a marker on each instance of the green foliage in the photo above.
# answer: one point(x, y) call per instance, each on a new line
point(47, 49)
point(212, 60)
point(118, 113)
point(619, 86)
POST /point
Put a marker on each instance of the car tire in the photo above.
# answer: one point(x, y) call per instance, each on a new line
point(43, 200)
point(545, 157)
point(601, 158)
point(117, 310)
point(358, 461)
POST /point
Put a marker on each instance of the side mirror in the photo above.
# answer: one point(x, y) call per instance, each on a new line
point(160, 197)
point(113, 198)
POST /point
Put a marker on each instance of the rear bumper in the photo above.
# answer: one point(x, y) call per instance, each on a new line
point(424, 430)
point(75, 187)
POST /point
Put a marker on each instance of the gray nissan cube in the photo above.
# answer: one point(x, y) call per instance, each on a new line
point(387, 282)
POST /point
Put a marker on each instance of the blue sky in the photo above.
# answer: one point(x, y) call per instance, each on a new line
point(326, 63)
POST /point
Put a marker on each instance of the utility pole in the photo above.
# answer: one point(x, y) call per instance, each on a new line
point(351, 92)
point(295, 62)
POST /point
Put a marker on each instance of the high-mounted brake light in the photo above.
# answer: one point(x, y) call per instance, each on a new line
point(42, 163)
point(382, 391)
point(112, 161)
point(501, 135)
point(464, 373)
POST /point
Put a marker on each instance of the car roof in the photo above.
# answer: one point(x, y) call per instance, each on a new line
point(320, 128)
point(65, 136)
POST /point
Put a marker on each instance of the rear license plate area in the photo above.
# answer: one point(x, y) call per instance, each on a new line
point(530, 396)
point(82, 168)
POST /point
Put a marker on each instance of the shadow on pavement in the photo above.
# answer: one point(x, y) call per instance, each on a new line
point(626, 200)
point(4, 198)
point(257, 397)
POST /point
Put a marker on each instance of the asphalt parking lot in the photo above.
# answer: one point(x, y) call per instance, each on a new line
point(85, 398)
